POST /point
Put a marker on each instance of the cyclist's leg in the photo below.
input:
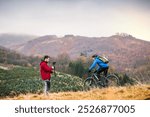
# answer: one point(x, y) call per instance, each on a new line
point(105, 71)
point(99, 71)
point(102, 78)
point(105, 74)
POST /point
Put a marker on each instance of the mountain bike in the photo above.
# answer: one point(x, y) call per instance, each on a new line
point(93, 81)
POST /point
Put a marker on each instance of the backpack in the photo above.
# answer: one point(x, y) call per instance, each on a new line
point(104, 59)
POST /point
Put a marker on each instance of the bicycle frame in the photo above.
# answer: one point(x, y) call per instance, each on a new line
point(95, 76)
point(102, 81)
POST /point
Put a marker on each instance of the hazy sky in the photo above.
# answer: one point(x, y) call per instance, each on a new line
point(92, 18)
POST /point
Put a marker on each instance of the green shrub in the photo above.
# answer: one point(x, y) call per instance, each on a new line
point(22, 80)
point(124, 79)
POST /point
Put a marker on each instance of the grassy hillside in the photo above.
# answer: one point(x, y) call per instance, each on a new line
point(137, 92)
point(142, 72)
point(18, 82)
point(8, 56)
point(22, 80)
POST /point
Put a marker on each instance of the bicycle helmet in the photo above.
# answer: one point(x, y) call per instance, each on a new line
point(95, 55)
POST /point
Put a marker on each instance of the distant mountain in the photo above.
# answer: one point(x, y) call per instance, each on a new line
point(124, 51)
point(11, 40)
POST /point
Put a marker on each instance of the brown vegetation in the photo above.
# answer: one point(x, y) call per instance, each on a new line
point(137, 92)
point(124, 51)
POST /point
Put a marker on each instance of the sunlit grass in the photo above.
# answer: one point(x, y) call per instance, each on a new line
point(137, 92)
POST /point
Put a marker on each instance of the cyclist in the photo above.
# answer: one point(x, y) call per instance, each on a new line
point(102, 66)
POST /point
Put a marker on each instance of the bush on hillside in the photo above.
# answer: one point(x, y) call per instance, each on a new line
point(22, 80)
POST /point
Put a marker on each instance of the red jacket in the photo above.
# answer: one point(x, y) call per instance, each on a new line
point(45, 71)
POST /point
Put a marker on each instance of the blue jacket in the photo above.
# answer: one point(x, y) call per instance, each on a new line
point(100, 64)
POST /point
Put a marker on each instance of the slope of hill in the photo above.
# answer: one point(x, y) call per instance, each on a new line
point(18, 82)
point(124, 51)
point(8, 56)
point(138, 92)
point(141, 72)
point(22, 80)
point(11, 40)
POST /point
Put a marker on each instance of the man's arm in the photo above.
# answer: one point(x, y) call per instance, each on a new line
point(47, 68)
point(99, 67)
point(93, 65)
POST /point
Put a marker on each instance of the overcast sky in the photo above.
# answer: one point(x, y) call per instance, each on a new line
point(94, 18)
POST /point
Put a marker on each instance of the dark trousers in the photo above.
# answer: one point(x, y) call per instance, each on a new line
point(47, 85)
point(104, 70)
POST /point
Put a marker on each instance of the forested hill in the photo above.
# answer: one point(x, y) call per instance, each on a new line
point(124, 51)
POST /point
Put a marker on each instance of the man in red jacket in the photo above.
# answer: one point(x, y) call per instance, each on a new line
point(46, 71)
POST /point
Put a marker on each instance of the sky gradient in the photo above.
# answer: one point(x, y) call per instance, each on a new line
point(93, 18)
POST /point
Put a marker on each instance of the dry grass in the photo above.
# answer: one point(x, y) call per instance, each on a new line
point(138, 92)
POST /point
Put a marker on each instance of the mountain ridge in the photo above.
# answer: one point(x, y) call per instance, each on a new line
point(9, 40)
point(124, 51)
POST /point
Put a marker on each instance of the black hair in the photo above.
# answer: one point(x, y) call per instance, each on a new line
point(95, 55)
point(45, 57)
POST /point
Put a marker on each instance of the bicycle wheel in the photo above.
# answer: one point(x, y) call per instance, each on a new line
point(112, 80)
point(102, 82)
point(89, 83)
